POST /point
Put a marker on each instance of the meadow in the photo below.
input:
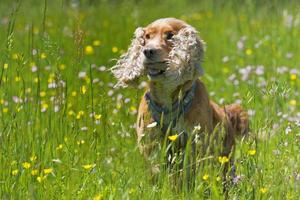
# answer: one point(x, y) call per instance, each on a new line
point(67, 133)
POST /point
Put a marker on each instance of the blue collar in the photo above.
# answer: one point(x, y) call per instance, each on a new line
point(180, 107)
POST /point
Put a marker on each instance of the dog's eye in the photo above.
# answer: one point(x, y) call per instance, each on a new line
point(147, 36)
point(169, 35)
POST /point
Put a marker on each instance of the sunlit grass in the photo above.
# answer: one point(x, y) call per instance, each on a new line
point(66, 133)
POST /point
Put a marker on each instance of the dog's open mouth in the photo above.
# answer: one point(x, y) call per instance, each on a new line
point(155, 72)
point(155, 69)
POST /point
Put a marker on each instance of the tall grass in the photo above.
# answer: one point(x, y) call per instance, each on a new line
point(65, 133)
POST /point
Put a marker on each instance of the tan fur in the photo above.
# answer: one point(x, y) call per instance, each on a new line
point(183, 54)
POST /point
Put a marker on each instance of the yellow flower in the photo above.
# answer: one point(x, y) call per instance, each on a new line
point(33, 158)
point(114, 49)
point(89, 50)
point(45, 106)
point(60, 146)
point(15, 56)
point(249, 52)
point(218, 178)
point(205, 177)
point(252, 152)
point(71, 112)
point(293, 77)
point(62, 66)
point(48, 170)
point(98, 197)
point(263, 190)
point(41, 178)
point(88, 166)
point(98, 117)
point(83, 89)
point(43, 56)
point(26, 165)
point(5, 66)
point(36, 80)
point(17, 78)
point(14, 172)
point(293, 102)
point(132, 108)
point(42, 94)
point(1, 101)
point(5, 110)
point(34, 172)
point(96, 42)
point(223, 159)
point(79, 142)
point(173, 137)
point(74, 93)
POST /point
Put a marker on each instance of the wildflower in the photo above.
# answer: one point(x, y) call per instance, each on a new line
point(33, 158)
point(223, 159)
point(218, 178)
point(74, 93)
point(263, 190)
point(15, 56)
point(88, 166)
point(83, 89)
point(248, 52)
point(96, 43)
point(293, 102)
point(15, 172)
point(42, 94)
point(59, 147)
point(98, 117)
point(5, 66)
point(114, 49)
point(41, 178)
point(71, 112)
point(5, 110)
point(17, 78)
point(293, 77)
point(173, 137)
point(79, 142)
point(205, 177)
point(80, 113)
point(62, 66)
point(98, 197)
point(252, 152)
point(44, 107)
point(48, 170)
point(34, 172)
point(43, 56)
point(26, 165)
point(89, 50)
point(36, 80)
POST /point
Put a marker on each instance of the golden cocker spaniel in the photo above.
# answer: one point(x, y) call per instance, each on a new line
point(175, 108)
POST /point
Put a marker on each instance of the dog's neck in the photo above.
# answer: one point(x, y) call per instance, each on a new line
point(165, 96)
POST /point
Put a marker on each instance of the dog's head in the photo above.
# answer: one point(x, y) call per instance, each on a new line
point(168, 51)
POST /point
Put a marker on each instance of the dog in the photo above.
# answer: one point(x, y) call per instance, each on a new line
point(176, 104)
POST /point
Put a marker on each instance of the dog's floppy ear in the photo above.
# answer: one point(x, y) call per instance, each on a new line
point(188, 51)
point(130, 65)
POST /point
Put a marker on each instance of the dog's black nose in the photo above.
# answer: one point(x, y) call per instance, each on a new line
point(149, 53)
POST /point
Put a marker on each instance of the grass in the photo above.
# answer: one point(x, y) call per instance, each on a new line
point(66, 133)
